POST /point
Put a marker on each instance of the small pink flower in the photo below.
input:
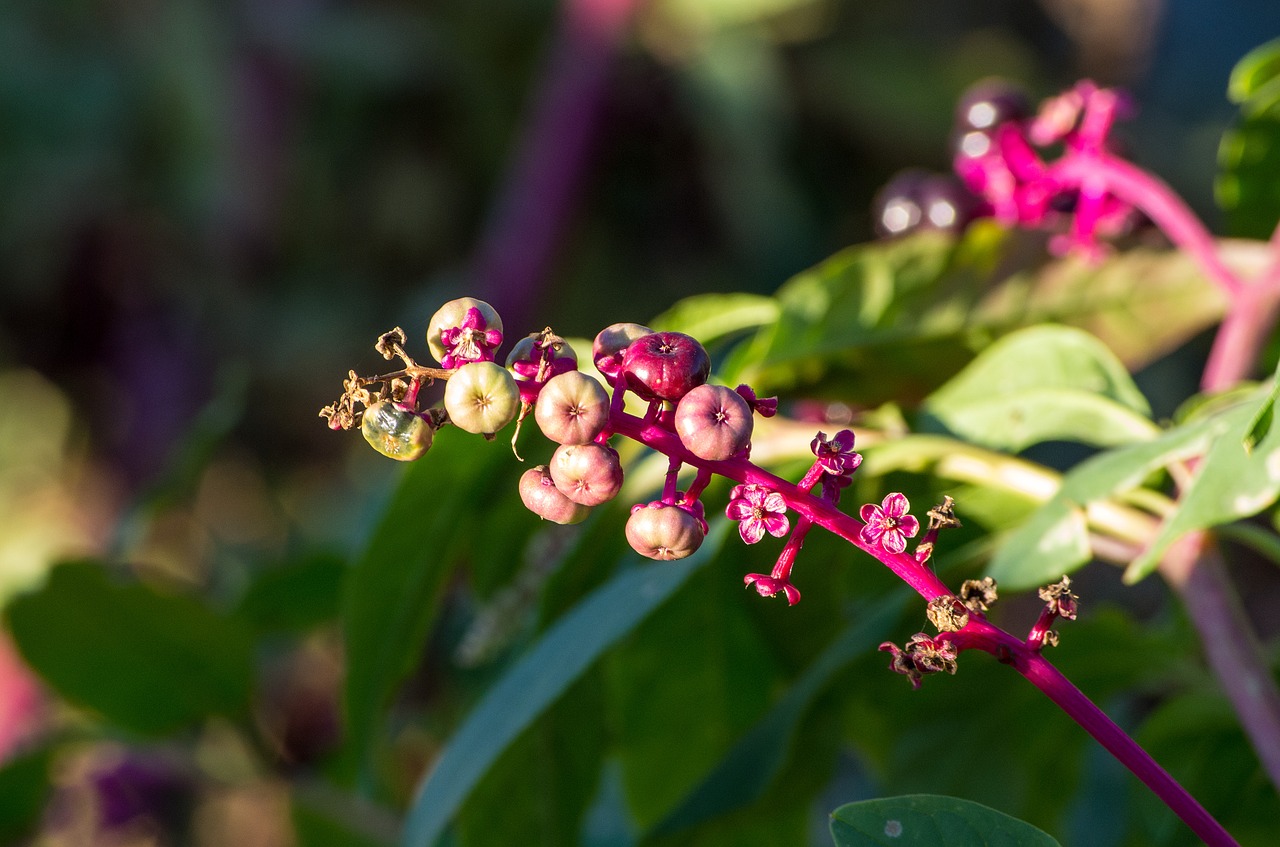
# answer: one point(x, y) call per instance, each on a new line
point(471, 342)
point(888, 524)
point(758, 509)
point(836, 455)
point(765, 407)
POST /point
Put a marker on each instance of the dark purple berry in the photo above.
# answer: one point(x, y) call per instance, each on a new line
point(988, 103)
point(665, 365)
point(915, 199)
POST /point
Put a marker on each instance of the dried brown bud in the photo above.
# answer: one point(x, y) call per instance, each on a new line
point(978, 595)
point(1060, 600)
point(947, 614)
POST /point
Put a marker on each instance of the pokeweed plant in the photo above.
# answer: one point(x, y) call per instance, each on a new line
point(1054, 169)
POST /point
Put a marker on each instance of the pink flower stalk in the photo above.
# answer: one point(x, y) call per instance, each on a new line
point(758, 510)
point(471, 342)
point(888, 524)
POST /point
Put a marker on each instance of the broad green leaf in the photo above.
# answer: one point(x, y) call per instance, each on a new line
point(1039, 384)
point(890, 320)
point(700, 664)
point(323, 815)
point(744, 773)
point(146, 661)
point(1249, 153)
point(553, 663)
point(295, 596)
point(1229, 483)
point(1054, 540)
point(1254, 73)
point(1260, 424)
point(391, 594)
point(923, 820)
point(24, 788)
point(711, 317)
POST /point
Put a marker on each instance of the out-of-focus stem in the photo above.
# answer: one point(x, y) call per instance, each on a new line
point(550, 159)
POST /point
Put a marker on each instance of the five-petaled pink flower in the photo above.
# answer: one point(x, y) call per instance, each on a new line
point(836, 455)
point(888, 524)
point(471, 342)
point(758, 509)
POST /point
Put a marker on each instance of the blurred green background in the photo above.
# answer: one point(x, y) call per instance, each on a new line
point(209, 210)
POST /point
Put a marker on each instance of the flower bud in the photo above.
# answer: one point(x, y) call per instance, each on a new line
point(662, 532)
point(572, 408)
point(395, 432)
point(611, 345)
point(665, 365)
point(714, 422)
point(481, 397)
point(539, 494)
point(589, 474)
point(453, 315)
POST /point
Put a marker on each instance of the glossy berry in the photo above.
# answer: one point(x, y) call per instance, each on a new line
point(481, 397)
point(539, 494)
point(988, 103)
point(918, 200)
point(665, 365)
point(394, 432)
point(589, 474)
point(611, 345)
point(453, 315)
point(572, 408)
point(714, 422)
point(662, 532)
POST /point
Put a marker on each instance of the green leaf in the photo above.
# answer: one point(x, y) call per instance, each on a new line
point(1249, 153)
point(1254, 73)
point(1260, 424)
point(924, 820)
point(148, 662)
point(711, 317)
point(295, 596)
point(1230, 483)
point(1055, 539)
point(391, 594)
point(24, 787)
point(558, 658)
point(1039, 384)
point(744, 773)
point(890, 320)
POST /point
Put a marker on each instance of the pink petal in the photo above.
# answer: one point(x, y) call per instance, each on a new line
point(751, 531)
point(843, 440)
point(893, 541)
point(871, 533)
point(870, 513)
point(739, 510)
point(895, 505)
point(777, 524)
point(908, 525)
point(774, 503)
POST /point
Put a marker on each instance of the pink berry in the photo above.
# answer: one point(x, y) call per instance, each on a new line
point(589, 474)
point(572, 408)
point(714, 422)
point(665, 365)
point(539, 494)
point(611, 345)
point(662, 532)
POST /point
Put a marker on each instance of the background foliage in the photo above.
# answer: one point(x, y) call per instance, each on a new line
point(265, 632)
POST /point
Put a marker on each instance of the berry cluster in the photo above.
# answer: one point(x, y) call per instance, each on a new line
point(1000, 147)
point(694, 422)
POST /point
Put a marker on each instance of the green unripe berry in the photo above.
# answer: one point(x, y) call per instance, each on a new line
point(394, 432)
point(481, 397)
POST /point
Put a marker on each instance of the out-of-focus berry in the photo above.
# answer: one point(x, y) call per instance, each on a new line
point(918, 200)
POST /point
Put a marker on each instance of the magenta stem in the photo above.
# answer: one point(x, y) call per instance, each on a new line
point(979, 634)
